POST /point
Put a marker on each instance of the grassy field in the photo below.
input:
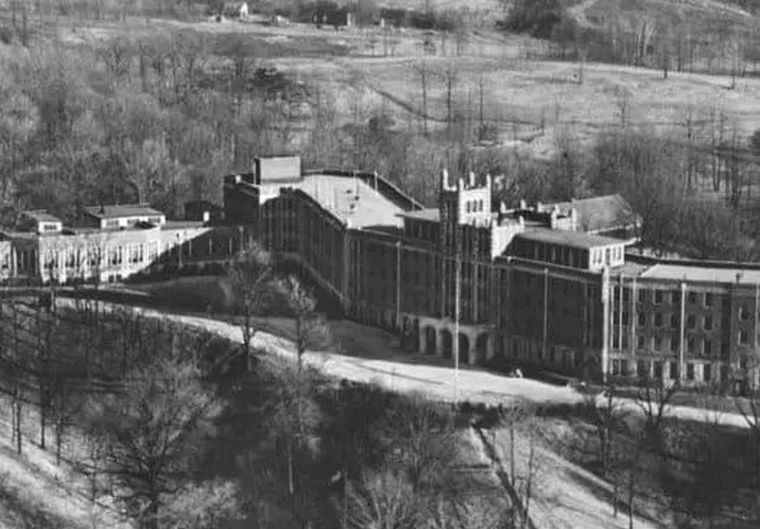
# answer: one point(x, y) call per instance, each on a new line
point(526, 100)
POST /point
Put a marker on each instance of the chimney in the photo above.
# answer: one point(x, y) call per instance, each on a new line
point(206, 216)
point(489, 182)
point(574, 219)
point(553, 218)
point(523, 204)
point(472, 179)
point(503, 207)
point(521, 221)
point(539, 207)
point(460, 184)
point(445, 179)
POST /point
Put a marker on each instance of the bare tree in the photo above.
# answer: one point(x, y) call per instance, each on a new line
point(606, 418)
point(250, 273)
point(653, 397)
point(450, 75)
point(154, 431)
point(311, 329)
point(423, 71)
point(383, 500)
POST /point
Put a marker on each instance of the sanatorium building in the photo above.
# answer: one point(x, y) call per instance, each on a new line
point(549, 285)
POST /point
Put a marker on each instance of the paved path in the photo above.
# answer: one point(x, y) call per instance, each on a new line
point(395, 372)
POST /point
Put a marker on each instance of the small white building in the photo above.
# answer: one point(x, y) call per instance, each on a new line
point(235, 10)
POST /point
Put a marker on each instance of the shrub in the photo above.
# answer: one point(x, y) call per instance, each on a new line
point(536, 17)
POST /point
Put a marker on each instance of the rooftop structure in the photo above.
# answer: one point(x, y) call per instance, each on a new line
point(43, 222)
point(123, 215)
point(702, 274)
point(603, 214)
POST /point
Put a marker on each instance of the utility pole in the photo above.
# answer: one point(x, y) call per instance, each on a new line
point(457, 295)
point(398, 286)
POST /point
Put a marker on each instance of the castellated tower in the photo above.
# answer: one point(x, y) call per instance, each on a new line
point(466, 203)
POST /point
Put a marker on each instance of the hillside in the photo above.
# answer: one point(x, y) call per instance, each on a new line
point(528, 101)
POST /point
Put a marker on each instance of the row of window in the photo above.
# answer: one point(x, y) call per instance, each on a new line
point(656, 369)
point(474, 206)
point(673, 296)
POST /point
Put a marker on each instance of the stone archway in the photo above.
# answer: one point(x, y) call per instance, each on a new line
point(448, 343)
point(431, 342)
point(481, 347)
point(464, 349)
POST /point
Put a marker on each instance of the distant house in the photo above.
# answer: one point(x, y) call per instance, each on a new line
point(235, 9)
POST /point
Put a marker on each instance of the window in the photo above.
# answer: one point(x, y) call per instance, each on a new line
point(658, 370)
point(674, 321)
point(744, 313)
point(707, 347)
point(708, 323)
point(692, 297)
point(675, 297)
point(691, 321)
point(642, 296)
point(673, 370)
point(642, 369)
point(657, 319)
point(708, 299)
point(657, 343)
point(624, 367)
point(674, 343)
point(658, 296)
point(113, 223)
point(625, 318)
point(689, 371)
point(642, 319)
point(640, 341)
point(743, 337)
point(743, 364)
point(690, 345)
point(706, 372)
point(615, 368)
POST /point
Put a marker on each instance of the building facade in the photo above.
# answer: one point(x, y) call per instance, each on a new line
point(550, 285)
point(111, 244)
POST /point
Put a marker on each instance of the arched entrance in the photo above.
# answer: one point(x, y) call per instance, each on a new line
point(464, 349)
point(481, 346)
point(448, 343)
point(430, 340)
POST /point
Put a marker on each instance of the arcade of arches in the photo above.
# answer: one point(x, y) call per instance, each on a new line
point(437, 338)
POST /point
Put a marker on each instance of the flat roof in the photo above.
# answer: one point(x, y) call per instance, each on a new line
point(41, 215)
point(429, 214)
point(180, 224)
point(121, 210)
point(700, 273)
point(349, 199)
point(573, 239)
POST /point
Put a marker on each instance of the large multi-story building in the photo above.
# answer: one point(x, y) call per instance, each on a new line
point(550, 284)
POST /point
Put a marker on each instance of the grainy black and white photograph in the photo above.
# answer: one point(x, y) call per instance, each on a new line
point(379, 264)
